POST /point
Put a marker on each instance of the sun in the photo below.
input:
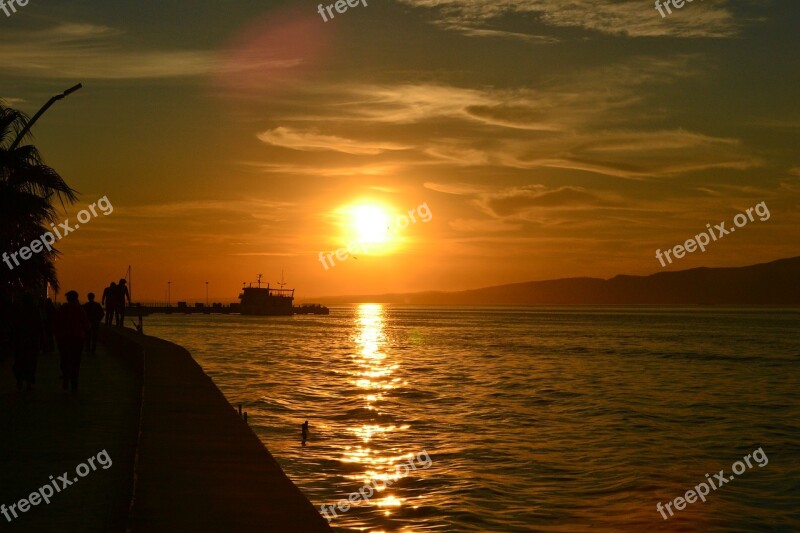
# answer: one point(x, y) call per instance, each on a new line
point(366, 223)
point(369, 223)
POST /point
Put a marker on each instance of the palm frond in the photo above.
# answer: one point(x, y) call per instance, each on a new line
point(27, 191)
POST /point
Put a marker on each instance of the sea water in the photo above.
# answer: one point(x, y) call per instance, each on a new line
point(535, 419)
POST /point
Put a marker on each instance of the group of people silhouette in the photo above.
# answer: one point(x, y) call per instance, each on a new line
point(38, 326)
point(114, 297)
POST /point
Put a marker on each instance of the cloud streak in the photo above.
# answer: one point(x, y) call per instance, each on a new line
point(90, 51)
point(306, 141)
point(566, 124)
point(631, 18)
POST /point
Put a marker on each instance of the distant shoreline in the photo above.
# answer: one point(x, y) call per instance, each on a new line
point(773, 283)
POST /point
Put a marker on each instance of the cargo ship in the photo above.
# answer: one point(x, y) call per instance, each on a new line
point(266, 301)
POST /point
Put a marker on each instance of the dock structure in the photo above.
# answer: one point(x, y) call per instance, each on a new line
point(182, 308)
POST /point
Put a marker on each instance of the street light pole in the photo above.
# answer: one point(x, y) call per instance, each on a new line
point(39, 113)
point(206, 294)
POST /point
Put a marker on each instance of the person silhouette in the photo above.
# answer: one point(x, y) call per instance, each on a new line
point(70, 327)
point(109, 295)
point(305, 431)
point(121, 296)
point(94, 312)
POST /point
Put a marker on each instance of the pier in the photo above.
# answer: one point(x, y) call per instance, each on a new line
point(183, 308)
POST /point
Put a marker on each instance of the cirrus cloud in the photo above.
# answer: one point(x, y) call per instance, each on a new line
point(314, 142)
point(616, 17)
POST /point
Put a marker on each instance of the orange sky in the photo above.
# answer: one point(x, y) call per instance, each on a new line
point(547, 139)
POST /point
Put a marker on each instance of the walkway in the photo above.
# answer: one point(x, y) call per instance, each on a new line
point(49, 431)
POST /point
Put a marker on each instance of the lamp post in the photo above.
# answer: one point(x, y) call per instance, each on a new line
point(206, 294)
point(41, 111)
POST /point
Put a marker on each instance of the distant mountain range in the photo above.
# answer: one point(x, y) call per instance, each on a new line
point(774, 283)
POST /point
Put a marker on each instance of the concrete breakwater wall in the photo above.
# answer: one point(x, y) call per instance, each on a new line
point(198, 466)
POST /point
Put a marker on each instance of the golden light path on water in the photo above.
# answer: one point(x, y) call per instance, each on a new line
point(373, 374)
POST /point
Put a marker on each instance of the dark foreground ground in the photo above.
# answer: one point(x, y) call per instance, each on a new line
point(48, 431)
point(181, 458)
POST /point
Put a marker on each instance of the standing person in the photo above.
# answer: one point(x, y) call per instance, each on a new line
point(70, 329)
point(122, 295)
point(26, 339)
point(109, 296)
point(94, 312)
point(48, 314)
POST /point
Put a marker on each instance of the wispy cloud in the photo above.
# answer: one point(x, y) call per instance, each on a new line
point(458, 189)
point(562, 103)
point(517, 203)
point(564, 124)
point(554, 126)
point(617, 17)
point(327, 170)
point(89, 51)
point(501, 34)
point(631, 154)
point(308, 141)
point(9, 100)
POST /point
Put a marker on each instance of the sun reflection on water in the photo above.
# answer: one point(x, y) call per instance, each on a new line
point(373, 375)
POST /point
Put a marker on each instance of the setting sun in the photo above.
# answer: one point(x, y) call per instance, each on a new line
point(370, 224)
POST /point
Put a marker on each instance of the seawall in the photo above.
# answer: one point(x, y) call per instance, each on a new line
point(198, 466)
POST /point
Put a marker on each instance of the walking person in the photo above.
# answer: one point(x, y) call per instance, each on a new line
point(122, 295)
point(109, 296)
point(70, 328)
point(94, 312)
point(26, 339)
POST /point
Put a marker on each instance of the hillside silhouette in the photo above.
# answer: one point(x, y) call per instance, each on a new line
point(773, 283)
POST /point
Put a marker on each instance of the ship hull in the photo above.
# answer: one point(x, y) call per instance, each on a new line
point(265, 311)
